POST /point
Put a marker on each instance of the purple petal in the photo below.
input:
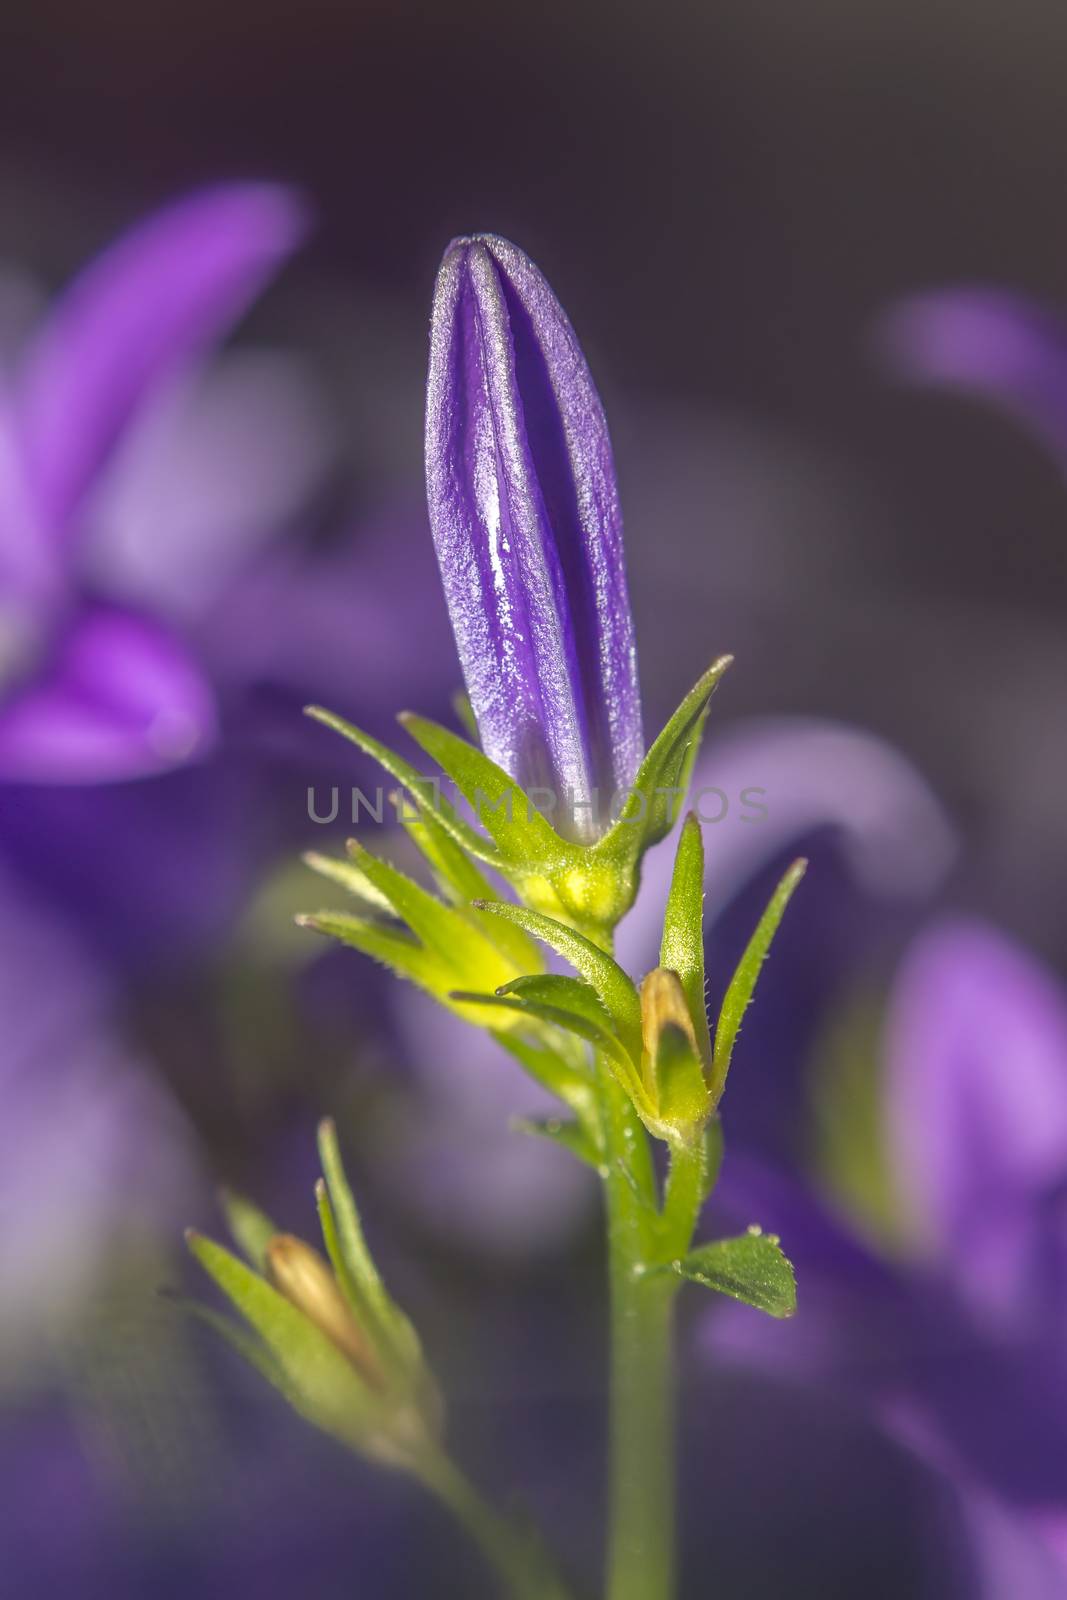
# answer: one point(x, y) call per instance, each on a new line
point(988, 343)
point(151, 302)
point(977, 1106)
point(118, 699)
point(525, 516)
point(805, 775)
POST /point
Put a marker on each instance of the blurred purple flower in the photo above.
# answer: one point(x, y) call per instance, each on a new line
point(94, 691)
point(959, 1347)
point(989, 343)
point(94, 1155)
point(525, 516)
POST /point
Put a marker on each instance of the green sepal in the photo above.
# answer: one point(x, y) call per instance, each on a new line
point(319, 1381)
point(523, 836)
point(678, 1088)
point(395, 1330)
point(743, 982)
point(613, 988)
point(350, 876)
point(651, 808)
point(251, 1229)
point(391, 947)
point(571, 1136)
point(682, 947)
point(750, 1268)
point(424, 791)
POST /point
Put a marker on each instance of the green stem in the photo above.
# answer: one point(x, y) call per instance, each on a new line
point(513, 1555)
point(642, 1423)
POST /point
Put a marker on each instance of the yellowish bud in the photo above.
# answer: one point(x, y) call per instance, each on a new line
point(663, 1004)
point(305, 1279)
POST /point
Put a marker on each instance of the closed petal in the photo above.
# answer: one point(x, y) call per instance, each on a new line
point(119, 697)
point(525, 516)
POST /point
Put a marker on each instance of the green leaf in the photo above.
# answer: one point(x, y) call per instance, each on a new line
point(614, 989)
point(394, 1326)
point(570, 1136)
point(750, 1268)
point(350, 877)
point(649, 812)
point(321, 1382)
point(466, 949)
point(424, 791)
point(562, 994)
point(394, 949)
point(682, 949)
point(597, 1033)
point(743, 982)
point(523, 836)
point(251, 1228)
point(247, 1345)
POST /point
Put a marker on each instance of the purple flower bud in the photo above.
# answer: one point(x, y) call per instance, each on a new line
point(525, 516)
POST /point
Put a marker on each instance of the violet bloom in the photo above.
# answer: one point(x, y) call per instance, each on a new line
point(525, 516)
point(989, 343)
point(958, 1343)
point(91, 688)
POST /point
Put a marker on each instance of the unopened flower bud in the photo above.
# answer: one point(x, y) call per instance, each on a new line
point(674, 1068)
point(299, 1273)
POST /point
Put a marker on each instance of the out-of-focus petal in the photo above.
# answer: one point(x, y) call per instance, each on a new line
point(977, 1109)
point(985, 342)
point(766, 784)
point(205, 479)
point(151, 302)
point(119, 697)
point(92, 1150)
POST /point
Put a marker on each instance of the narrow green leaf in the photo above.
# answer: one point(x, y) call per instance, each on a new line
point(252, 1229)
point(614, 989)
point(750, 1268)
point(743, 982)
point(424, 791)
point(562, 993)
point(648, 815)
point(570, 1136)
point(323, 1383)
point(394, 1325)
point(524, 837)
point(463, 882)
point(443, 929)
point(393, 948)
point(682, 949)
point(350, 877)
point(595, 1033)
point(247, 1345)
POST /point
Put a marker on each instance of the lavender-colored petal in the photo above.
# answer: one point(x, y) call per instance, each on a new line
point(146, 306)
point(986, 342)
point(118, 698)
point(525, 516)
point(977, 1111)
point(207, 478)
